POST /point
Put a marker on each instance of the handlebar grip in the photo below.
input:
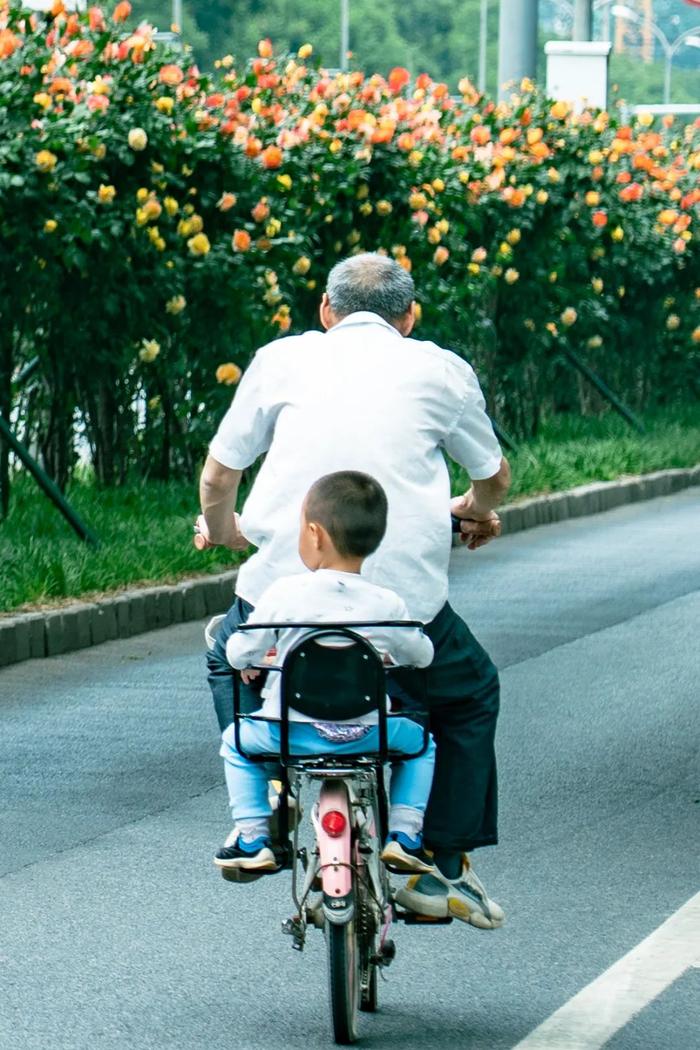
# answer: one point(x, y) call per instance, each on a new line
point(201, 534)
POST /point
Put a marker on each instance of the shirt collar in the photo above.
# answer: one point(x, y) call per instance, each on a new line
point(365, 317)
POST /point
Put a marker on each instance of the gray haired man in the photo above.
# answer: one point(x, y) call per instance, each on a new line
point(363, 395)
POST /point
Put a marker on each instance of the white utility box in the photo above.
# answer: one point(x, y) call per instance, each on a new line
point(577, 71)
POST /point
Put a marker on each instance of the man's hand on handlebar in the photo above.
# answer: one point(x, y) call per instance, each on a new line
point(233, 539)
point(476, 526)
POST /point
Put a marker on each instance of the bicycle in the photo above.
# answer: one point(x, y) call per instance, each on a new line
point(334, 674)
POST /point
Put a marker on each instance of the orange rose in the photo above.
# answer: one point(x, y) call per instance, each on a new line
point(271, 157)
point(240, 242)
point(261, 210)
point(398, 78)
point(667, 217)
point(96, 19)
point(599, 218)
point(508, 135)
point(122, 11)
point(253, 147)
point(265, 48)
point(633, 192)
point(441, 255)
point(226, 201)
point(171, 75)
point(480, 135)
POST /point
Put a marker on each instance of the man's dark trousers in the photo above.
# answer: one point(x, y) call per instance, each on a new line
point(460, 691)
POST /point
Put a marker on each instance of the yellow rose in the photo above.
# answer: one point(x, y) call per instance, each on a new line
point(106, 194)
point(175, 305)
point(646, 119)
point(553, 175)
point(438, 185)
point(273, 227)
point(137, 139)
point(417, 201)
point(541, 196)
point(384, 207)
point(165, 104)
point(228, 374)
point(511, 276)
point(284, 181)
point(473, 268)
point(597, 285)
point(569, 316)
point(141, 217)
point(479, 255)
point(592, 198)
point(42, 99)
point(183, 228)
point(672, 322)
point(595, 342)
point(149, 351)
point(335, 146)
point(365, 208)
point(418, 312)
point(199, 244)
point(443, 226)
point(50, 225)
point(196, 223)
point(440, 255)
point(415, 157)
point(595, 157)
point(513, 236)
point(142, 194)
point(45, 160)
point(171, 205)
point(695, 335)
point(302, 265)
point(305, 51)
point(354, 237)
point(618, 234)
point(553, 277)
point(434, 235)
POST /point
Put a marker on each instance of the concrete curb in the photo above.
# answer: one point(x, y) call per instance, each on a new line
point(76, 626)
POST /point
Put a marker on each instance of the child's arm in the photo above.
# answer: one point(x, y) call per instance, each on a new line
point(407, 646)
point(244, 648)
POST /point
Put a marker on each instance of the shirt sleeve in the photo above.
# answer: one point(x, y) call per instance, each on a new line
point(471, 441)
point(407, 646)
point(246, 430)
point(244, 648)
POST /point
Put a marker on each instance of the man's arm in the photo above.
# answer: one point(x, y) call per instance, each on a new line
point(218, 488)
point(480, 523)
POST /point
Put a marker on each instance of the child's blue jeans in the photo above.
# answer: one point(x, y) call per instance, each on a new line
point(247, 781)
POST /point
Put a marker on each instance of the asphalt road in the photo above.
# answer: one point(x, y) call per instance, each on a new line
point(117, 932)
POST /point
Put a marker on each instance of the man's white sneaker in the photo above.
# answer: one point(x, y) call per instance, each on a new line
point(464, 898)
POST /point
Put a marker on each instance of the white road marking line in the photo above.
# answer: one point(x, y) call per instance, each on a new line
point(604, 1006)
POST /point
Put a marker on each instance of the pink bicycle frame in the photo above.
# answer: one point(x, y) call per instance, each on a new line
point(335, 853)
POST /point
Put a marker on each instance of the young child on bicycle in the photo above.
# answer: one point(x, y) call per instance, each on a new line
point(343, 521)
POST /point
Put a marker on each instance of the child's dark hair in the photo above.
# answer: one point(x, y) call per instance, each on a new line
point(352, 508)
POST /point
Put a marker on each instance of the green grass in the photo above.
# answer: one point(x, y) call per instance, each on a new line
point(146, 529)
point(573, 450)
point(145, 533)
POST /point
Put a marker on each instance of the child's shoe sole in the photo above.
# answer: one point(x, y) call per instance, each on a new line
point(397, 860)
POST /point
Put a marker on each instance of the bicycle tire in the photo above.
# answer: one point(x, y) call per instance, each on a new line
point(343, 980)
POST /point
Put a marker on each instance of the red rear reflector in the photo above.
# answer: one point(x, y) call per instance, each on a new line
point(333, 823)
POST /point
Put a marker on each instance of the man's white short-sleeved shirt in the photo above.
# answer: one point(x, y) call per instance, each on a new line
point(358, 397)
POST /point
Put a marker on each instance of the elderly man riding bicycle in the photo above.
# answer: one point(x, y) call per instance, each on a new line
point(364, 396)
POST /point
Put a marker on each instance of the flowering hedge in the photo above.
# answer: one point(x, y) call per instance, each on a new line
point(158, 224)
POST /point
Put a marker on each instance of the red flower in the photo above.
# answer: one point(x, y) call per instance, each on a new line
point(599, 219)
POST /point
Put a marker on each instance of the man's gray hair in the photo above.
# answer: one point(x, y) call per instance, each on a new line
point(372, 282)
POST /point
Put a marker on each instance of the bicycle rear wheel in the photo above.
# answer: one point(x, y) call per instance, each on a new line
point(367, 946)
point(343, 980)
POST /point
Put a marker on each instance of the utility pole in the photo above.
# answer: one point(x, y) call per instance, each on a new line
point(483, 40)
point(583, 20)
point(517, 43)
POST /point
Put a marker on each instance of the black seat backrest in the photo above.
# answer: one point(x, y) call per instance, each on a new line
point(332, 675)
